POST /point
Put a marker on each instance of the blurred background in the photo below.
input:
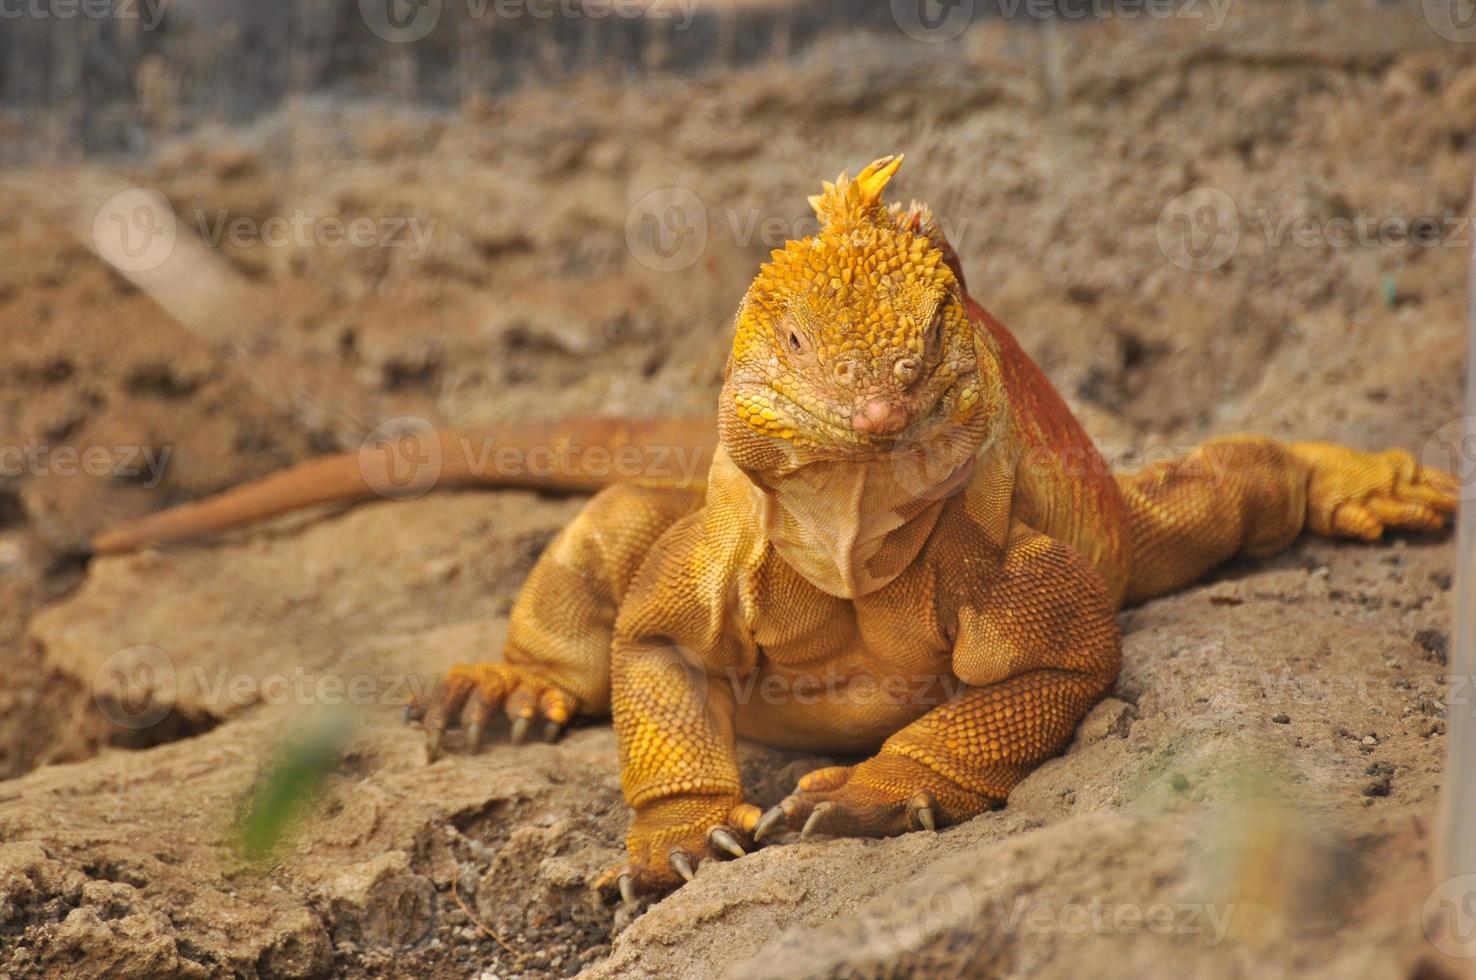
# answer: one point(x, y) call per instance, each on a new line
point(234, 235)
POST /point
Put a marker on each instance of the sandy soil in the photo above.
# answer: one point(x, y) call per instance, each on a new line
point(1256, 797)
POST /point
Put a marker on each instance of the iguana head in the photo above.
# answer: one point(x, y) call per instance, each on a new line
point(855, 342)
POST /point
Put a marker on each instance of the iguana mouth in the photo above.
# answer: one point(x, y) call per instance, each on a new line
point(831, 429)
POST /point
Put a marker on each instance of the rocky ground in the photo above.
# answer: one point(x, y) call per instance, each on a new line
point(1257, 796)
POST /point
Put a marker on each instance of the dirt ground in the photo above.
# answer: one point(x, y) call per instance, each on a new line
point(1255, 799)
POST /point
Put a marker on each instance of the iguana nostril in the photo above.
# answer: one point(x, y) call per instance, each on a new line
point(845, 372)
point(905, 370)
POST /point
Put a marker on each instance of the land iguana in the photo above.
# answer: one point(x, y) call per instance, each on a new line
point(906, 547)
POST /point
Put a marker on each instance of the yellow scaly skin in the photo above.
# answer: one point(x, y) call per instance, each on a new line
point(906, 547)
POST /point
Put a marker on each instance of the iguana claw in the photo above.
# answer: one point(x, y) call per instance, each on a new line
point(724, 841)
point(773, 817)
point(681, 864)
point(872, 799)
point(471, 694)
point(816, 817)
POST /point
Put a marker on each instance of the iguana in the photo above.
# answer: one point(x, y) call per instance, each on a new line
point(906, 547)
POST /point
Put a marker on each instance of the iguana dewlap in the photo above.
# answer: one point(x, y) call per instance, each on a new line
point(906, 547)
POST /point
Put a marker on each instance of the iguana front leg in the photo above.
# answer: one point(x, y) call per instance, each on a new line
point(673, 710)
point(1036, 645)
point(678, 765)
point(556, 663)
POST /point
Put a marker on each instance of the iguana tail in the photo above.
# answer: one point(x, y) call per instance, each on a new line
point(570, 457)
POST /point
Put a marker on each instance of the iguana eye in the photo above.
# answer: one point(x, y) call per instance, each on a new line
point(795, 344)
point(935, 332)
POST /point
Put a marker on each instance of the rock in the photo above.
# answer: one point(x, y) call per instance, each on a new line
point(1110, 718)
point(300, 948)
point(381, 902)
point(135, 946)
point(1435, 643)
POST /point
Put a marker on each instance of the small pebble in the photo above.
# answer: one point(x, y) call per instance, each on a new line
point(1435, 643)
point(1280, 719)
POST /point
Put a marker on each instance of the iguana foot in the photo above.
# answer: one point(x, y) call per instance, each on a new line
point(672, 837)
point(471, 693)
point(1358, 495)
point(883, 796)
